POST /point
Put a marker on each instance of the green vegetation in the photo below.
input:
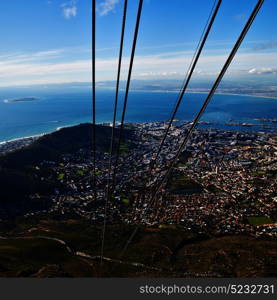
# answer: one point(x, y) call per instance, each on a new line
point(183, 185)
point(261, 173)
point(61, 176)
point(126, 201)
point(124, 147)
point(167, 226)
point(80, 172)
point(30, 168)
point(38, 258)
point(256, 221)
point(169, 249)
point(50, 147)
point(97, 173)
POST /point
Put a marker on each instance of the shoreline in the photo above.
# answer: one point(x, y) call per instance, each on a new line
point(233, 94)
point(24, 138)
point(196, 92)
point(17, 143)
point(36, 136)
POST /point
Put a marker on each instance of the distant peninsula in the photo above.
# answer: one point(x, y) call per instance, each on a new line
point(20, 99)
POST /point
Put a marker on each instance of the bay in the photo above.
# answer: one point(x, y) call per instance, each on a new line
point(57, 109)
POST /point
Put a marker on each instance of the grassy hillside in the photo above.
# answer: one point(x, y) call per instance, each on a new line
point(18, 179)
point(154, 252)
point(52, 146)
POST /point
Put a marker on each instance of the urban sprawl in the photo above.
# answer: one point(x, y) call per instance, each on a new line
point(223, 183)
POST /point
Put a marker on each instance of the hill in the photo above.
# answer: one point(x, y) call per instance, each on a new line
point(18, 180)
point(64, 141)
point(27, 250)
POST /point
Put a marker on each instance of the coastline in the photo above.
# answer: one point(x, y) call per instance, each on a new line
point(51, 129)
point(246, 95)
point(36, 136)
point(22, 138)
point(234, 94)
point(17, 143)
point(206, 92)
point(200, 92)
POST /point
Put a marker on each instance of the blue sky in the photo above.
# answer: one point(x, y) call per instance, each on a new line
point(49, 41)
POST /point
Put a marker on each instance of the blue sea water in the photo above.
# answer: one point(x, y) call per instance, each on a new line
point(58, 109)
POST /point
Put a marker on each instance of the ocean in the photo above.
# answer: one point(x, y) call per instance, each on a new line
point(57, 109)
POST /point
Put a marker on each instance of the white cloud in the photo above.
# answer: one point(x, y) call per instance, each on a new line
point(37, 56)
point(259, 71)
point(69, 9)
point(45, 80)
point(161, 74)
point(48, 53)
point(70, 12)
point(24, 70)
point(171, 62)
point(65, 65)
point(44, 67)
point(106, 7)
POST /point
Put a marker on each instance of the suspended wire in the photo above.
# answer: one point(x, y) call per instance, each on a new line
point(213, 89)
point(113, 126)
point(200, 113)
point(190, 71)
point(127, 90)
point(195, 51)
point(93, 99)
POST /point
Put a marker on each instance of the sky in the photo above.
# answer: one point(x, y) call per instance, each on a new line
point(49, 41)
